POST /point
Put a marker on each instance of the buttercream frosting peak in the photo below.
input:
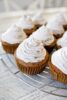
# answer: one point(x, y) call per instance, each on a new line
point(44, 35)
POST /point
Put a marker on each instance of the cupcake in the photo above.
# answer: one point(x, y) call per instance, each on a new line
point(12, 38)
point(44, 35)
point(26, 24)
point(38, 20)
point(57, 29)
point(31, 57)
point(58, 65)
point(57, 24)
point(60, 18)
point(62, 42)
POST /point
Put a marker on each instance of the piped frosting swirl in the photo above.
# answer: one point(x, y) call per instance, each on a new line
point(30, 51)
point(59, 59)
point(44, 35)
point(14, 35)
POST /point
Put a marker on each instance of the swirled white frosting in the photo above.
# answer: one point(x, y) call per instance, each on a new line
point(59, 59)
point(38, 19)
point(30, 51)
point(14, 35)
point(55, 28)
point(44, 35)
point(25, 22)
point(63, 41)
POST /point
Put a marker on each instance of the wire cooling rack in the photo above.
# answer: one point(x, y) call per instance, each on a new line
point(43, 81)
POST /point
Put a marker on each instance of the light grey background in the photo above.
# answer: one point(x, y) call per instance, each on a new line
point(15, 5)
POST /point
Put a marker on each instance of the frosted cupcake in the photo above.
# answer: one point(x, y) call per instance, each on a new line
point(39, 20)
point(12, 38)
point(26, 23)
point(61, 20)
point(56, 25)
point(57, 29)
point(58, 65)
point(62, 42)
point(44, 35)
point(31, 57)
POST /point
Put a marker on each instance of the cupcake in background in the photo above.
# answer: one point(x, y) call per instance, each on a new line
point(25, 22)
point(44, 35)
point(39, 20)
point(12, 38)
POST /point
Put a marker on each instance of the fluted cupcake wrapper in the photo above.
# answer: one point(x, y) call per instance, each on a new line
point(65, 27)
point(32, 68)
point(38, 25)
point(57, 36)
point(58, 46)
point(57, 74)
point(50, 47)
point(30, 31)
point(9, 48)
